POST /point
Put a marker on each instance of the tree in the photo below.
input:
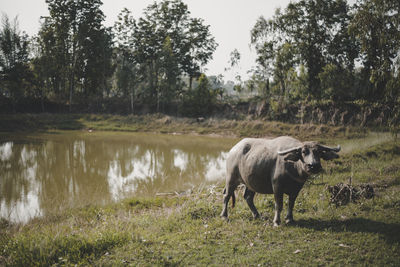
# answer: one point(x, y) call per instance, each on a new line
point(308, 32)
point(376, 24)
point(14, 59)
point(198, 48)
point(79, 47)
point(284, 62)
point(336, 83)
point(234, 62)
point(168, 43)
point(200, 100)
point(217, 85)
point(127, 72)
point(259, 81)
point(48, 61)
point(170, 81)
point(41, 71)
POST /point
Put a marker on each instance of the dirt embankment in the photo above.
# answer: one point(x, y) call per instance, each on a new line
point(354, 114)
point(160, 123)
point(359, 114)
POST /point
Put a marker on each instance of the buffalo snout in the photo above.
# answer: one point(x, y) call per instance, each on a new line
point(314, 168)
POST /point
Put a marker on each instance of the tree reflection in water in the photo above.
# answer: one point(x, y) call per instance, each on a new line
point(46, 172)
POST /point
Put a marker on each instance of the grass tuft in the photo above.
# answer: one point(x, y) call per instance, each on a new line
point(39, 249)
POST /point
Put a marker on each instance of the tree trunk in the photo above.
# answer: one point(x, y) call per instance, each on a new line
point(42, 101)
point(158, 101)
point(132, 101)
point(14, 106)
point(71, 89)
point(157, 90)
point(73, 64)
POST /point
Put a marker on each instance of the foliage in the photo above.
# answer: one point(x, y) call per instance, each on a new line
point(310, 50)
point(259, 81)
point(313, 33)
point(200, 101)
point(336, 83)
point(15, 74)
point(328, 38)
point(168, 43)
point(76, 60)
point(127, 73)
point(376, 25)
point(77, 47)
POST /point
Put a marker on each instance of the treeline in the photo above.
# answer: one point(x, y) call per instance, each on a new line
point(76, 61)
point(329, 50)
point(310, 51)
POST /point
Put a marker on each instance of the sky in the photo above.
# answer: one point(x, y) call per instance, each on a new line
point(230, 23)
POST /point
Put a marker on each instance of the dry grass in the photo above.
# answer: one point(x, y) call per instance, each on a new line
point(159, 123)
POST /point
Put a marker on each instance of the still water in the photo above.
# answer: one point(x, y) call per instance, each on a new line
point(43, 173)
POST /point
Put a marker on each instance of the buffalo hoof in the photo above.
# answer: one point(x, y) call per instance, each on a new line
point(225, 218)
point(289, 221)
point(276, 224)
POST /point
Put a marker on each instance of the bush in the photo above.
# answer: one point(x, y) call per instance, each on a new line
point(200, 101)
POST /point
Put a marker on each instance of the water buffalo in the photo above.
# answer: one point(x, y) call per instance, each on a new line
point(273, 166)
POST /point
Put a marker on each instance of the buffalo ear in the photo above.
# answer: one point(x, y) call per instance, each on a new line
point(293, 156)
point(329, 155)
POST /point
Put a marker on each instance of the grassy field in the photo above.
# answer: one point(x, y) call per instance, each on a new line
point(159, 123)
point(187, 230)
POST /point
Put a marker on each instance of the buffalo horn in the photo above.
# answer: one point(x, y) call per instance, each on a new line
point(284, 152)
point(327, 148)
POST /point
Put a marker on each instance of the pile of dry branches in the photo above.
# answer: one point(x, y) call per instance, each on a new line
point(342, 194)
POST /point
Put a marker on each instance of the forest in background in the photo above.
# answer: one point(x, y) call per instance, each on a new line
point(314, 53)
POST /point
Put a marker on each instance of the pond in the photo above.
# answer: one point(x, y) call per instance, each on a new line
point(42, 173)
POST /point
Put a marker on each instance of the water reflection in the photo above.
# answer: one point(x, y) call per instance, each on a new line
point(6, 151)
point(46, 172)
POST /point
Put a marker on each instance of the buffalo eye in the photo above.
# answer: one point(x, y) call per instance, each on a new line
point(306, 151)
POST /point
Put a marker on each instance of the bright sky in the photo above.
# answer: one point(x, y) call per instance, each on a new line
point(230, 23)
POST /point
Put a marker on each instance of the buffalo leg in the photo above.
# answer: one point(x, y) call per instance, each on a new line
point(289, 215)
point(278, 208)
point(249, 196)
point(228, 193)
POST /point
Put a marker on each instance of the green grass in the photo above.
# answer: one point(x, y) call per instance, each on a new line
point(159, 123)
point(187, 230)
